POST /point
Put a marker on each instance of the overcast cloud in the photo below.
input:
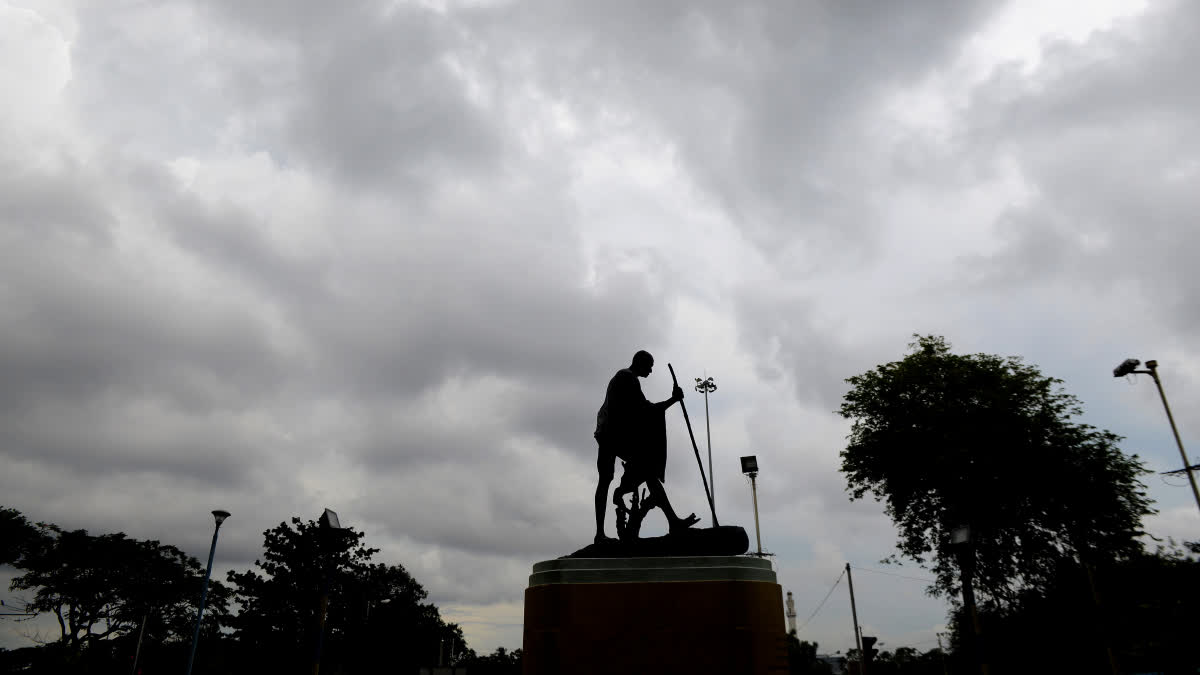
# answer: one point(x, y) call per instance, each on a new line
point(383, 257)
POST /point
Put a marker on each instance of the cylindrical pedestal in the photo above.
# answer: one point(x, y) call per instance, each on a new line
point(654, 615)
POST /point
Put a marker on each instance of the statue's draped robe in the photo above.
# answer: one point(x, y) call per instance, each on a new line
point(633, 427)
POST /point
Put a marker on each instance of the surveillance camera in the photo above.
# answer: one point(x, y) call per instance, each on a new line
point(1127, 366)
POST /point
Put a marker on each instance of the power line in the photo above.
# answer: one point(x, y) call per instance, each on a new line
point(822, 604)
point(23, 610)
point(893, 574)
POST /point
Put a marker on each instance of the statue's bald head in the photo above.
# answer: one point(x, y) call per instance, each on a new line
point(643, 363)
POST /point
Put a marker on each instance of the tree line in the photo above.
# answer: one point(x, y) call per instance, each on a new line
point(115, 598)
point(803, 660)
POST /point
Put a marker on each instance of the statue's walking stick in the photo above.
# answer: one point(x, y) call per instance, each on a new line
point(697, 449)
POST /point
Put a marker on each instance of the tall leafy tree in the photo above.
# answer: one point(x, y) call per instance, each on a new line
point(19, 538)
point(802, 657)
point(376, 616)
point(945, 439)
point(101, 587)
point(499, 662)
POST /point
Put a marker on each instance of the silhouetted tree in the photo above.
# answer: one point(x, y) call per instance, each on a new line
point(1146, 616)
point(102, 588)
point(377, 615)
point(499, 662)
point(947, 439)
point(802, 657)
point(18, 537)
point(1149, 606)
point(907, 661)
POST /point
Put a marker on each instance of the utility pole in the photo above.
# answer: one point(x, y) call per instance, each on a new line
point(862, 658)
point(141, 632)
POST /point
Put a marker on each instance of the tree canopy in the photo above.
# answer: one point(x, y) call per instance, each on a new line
point(376, 613)
point(103, 589)
point(100, 587)
point(1140, 609)
point(18, 537)
point(990, 442)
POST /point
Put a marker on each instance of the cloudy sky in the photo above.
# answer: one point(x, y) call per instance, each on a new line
point(383, 257)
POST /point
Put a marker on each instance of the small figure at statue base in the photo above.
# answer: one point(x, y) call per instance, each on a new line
point(629, 519)
point(682, 540)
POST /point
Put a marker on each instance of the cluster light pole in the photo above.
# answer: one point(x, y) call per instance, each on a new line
point(707, 386)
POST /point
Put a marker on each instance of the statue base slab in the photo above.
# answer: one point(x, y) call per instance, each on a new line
point(702, 614)
point(724, 540)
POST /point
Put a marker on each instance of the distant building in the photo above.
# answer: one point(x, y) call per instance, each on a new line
point(791, 613)
point(836, 663)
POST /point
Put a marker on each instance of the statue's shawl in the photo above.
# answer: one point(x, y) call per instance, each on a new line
point(634, 426)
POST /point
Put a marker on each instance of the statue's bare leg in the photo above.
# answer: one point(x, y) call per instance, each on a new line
point(601, 494)
point(659, 495)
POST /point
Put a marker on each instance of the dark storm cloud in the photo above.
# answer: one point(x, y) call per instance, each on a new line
point(168, 331)
point(783, 331)
point(232, 242)
point(82, 319)
point(1103, 138)
point(769, 103)
point(773, 109)
point(369, 94)
point(309, 253)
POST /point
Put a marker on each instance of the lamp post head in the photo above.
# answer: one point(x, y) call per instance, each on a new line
point(706, 385)
point(960, 535)
point(220, 516)
point(1128, 366)
point(750, 465)
point(329, 519)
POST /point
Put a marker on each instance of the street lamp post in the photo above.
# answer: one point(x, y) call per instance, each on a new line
point(328, 527)
point(220, 517)
point(960, 540)
point(750, 468)
point(705, 387)
point(1129, 367)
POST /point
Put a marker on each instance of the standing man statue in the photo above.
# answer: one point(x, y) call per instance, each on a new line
point(632, 428)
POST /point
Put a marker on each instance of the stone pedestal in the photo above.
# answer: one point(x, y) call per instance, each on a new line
point(721, 614)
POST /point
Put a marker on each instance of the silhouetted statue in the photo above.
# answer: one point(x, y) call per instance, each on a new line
point(632, 428)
